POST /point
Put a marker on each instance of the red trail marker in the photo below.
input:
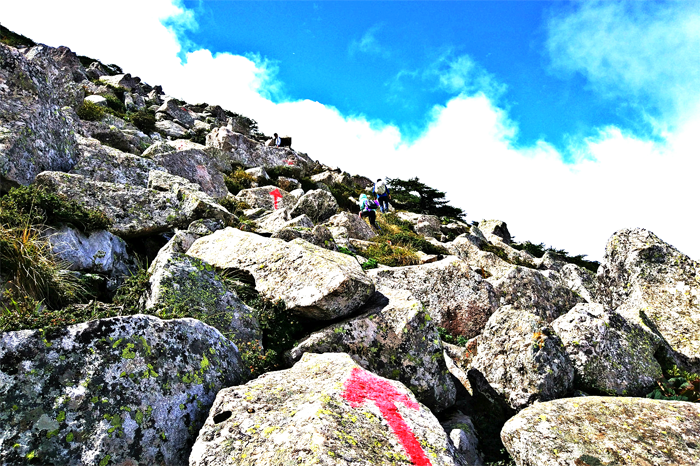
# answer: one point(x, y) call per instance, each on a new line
point(362, 385)
point(276, 194)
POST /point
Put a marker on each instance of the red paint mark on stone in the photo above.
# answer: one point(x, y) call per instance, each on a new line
point(276, 194)
point(362, 385)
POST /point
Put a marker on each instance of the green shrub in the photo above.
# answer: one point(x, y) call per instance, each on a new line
point(388, 254)
point(90, 111)
point(33, 205)
point(117, 106)
point(238, 180)
point(538, 250)
point(13, 39)
point(342, 194)
point(144, 120)
point(677, 384)
point(459, 340)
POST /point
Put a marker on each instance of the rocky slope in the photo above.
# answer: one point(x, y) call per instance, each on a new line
point(552, 359)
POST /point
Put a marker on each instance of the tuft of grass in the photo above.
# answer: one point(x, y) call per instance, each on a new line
point(238, 180)
point(449, 338)
point(144, 120)
point(90, 111)
point(677, 384)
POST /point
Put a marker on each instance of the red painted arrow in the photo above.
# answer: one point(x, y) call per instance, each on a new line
point(362, 385)
point(276, 194)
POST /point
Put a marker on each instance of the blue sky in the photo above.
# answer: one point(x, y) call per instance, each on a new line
point(568, 120)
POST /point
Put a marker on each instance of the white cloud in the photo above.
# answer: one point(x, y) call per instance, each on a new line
point(646, 52)
point(369, 43)
point(469, 148)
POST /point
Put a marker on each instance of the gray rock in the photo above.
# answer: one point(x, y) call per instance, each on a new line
point(394, 338)
point(103, 163)
point(137, 211)
point(463, 436)
point(523, 359)
point(579, 280)
point(656, 286)
point(346, 225)
point(122, 80)
point(318, 235)
point(610, 355)
point(530, 289)
point(330, 178)
point(261, 198)
point(456, 298)
point(189, 163)
point(173, 110)
point(318, 205)
point(605, 431)
point(34, 134)
point(171, 129)
point(125, 390)
point(288, 184)
point(315, 413)
point(425, 225)
point(281, 218)
point(259, 174)
point(183, 282)
point(497, 228)
point(311, 280)
point(97, 100)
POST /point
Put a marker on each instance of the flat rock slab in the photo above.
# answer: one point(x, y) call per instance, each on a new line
point(312, 281)
point(457, 298)
point(125, 390)
point(592, 431)
point(394, 338)
point(136, 211)
point(326, 410)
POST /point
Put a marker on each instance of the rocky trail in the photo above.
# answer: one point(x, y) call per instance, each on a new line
point(161, 306)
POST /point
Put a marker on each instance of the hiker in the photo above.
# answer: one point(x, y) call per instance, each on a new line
point(383, 195)
point(367, 210)
point(278, 141)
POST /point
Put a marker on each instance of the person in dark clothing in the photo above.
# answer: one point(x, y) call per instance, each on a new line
point(381, 190)
point(367, 210)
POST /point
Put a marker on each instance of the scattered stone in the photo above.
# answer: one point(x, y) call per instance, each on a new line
point(121, 80)
point(259, 175)
point(171, 129)
point(346, 225)
point(288, 184)
point(497, 229)
point(261, 198)
point(318, 205)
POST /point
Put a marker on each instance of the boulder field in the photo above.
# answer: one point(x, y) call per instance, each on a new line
point(308, 346)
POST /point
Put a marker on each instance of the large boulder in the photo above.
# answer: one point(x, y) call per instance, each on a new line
point(325, 410)
point(280, 219)
point(181, 282)
point(318, 205)
point(103, 163)
point(394, 338)
point(527, 288)
point(523, 359)
point(652, 283)
point(260, 197)
point(311, 280)
point(593, 431)
point(136, 211)
point(174, 111)
point(125, 390)
point(495, 230)
point(171, 129)
point(425, 225)
point(121, 80)
point(457, 298)
point(345, 225)
point(610, 355)
point(189, 163)
point(35, 135)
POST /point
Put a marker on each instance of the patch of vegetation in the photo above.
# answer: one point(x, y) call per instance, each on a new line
point(459, 340)
point(144, 120)
point(677, 384)
point(33, 205)
point(199, 136)
point(388, 254)
point(539, 250)
point(504, 256)
point(116, 106)
point(13, 39)
point(90, 111)
point(342, 193)
point(238, 180)
point(414, 196)
point(506, 460)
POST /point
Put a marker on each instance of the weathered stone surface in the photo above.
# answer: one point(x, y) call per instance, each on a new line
point(456, 298)
point(426, 225)
point(463, 435)
point(523, 359)
point(171, 129)
point(250, 153)
point(610, 354)
point(103, 163)
point(281, 218)
point(97, 251)
point(124, 139)
point(530, 289)
point(315, 413)
point(122, 80)
point(605, 431)
point(97, 100)
point(191, 164)
point(318, 205)
point(468, 248)
point(34, 134)
point(125, 390)
point(261, 198)
point(330, 178)
point(318, 235)
point(652, 283)
point(137, 211)
point(182, 115)
point(184, 282)
point(311, 280)
point(288, 184)
point(497, 228)
point(259, 174)
point(346, 225)
point(579, 280)
point(394, 338)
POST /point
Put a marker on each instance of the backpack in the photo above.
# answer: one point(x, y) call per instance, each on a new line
point(380, 188)
point(369, 204)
